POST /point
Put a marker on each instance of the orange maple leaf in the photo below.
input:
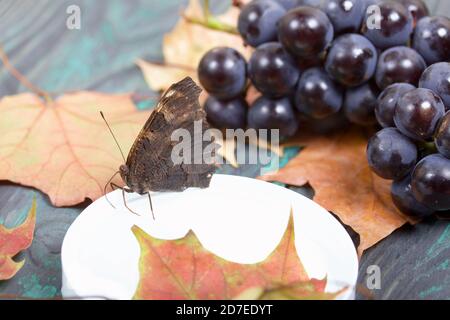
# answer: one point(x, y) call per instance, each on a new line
point(64, 148)
point(184, 269)
point(336, 167)
point(12, 241)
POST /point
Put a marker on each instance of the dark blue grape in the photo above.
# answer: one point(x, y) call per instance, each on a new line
point(387, 101)
point(417, 8)
point(368, 3)
point(222, 72)
point(258, 20)
point(396, 25)
point(351, 60)
point(399, 64)
point(368, 6)
point(418, 113)
point(292, 4)
point(432, 39)
point(431, 182)
point(345, 15)
point(360, 103)
point(442, 139)
point(229, 114)
point(405, 201)
point(317, 95)
point(391, 155)
point(305, 31)
point(333, 123)
point(310, 62)
point(312, 3)
point(266, 113)
point(272, 71)
point(437, 78)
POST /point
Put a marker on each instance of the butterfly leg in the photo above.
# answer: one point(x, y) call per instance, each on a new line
point(106, 185)
point(151, 205)
point(115, 186)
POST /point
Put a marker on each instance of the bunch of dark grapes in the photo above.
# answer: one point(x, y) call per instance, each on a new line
point(413, 148)
point(325, 63)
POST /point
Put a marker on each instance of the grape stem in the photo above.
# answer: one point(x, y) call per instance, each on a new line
point(209, 21)
point(22, 79)
point(429, 147)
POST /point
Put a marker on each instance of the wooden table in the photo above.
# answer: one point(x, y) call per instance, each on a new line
point(414, 261)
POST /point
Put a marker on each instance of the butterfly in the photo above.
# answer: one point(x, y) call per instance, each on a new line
point(149, 166)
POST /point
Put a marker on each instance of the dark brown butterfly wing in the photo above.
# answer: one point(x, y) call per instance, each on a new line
point(149, 161)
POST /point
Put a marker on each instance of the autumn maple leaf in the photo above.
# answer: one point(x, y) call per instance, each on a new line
point(12, 241)
point(184, 269)
point(63, 148)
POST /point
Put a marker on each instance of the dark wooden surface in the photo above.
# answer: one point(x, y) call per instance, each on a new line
point(414, 261)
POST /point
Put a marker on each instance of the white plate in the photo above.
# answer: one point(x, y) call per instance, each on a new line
point(237, 218)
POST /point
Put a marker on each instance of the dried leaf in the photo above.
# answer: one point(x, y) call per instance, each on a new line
point(183, 269)
point(161, 77)
point(185, 45)
point(336, 167)
point(14, 240)
point(64, 149)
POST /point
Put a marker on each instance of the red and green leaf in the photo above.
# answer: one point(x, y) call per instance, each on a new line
point(14, 240)
point(184, 269)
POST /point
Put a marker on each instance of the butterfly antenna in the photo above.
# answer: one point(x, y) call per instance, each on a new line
point(120, 149)
point(151, 205)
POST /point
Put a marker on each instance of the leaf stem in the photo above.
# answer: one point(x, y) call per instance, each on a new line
point(209, 21)
point(212, 23)
point(22, 79)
